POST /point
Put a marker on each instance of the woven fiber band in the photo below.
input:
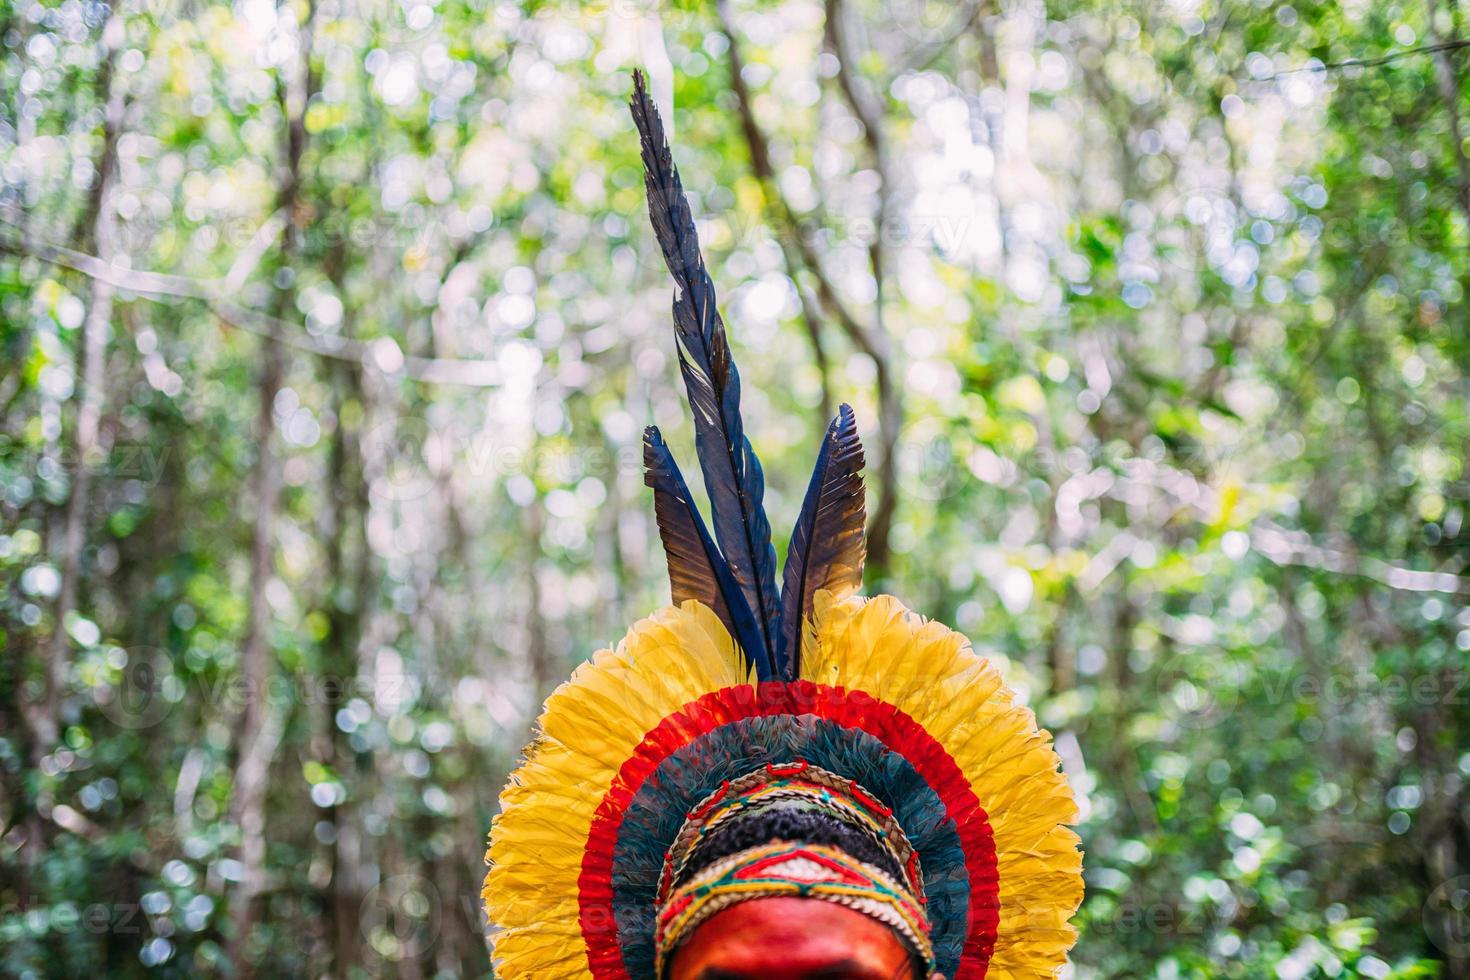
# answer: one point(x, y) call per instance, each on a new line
point(799, 870)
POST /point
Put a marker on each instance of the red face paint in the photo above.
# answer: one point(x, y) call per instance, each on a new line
point(791, 938)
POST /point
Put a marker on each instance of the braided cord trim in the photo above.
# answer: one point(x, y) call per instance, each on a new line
point(799, 784)
point(801, 870)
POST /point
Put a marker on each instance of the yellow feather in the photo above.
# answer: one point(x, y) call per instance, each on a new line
point(588, 729)
point(592, 724)
point(929, 672)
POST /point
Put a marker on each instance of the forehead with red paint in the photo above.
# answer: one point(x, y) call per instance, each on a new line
point(791, 939)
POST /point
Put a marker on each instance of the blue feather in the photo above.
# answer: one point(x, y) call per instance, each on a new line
point(696, 569)
point(732, 473)
point(827, 545)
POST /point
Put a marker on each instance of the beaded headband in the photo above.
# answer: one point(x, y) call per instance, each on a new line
point(801, 870)
point(793, 786)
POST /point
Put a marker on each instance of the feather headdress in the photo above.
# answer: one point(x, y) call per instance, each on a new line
point(741, 683)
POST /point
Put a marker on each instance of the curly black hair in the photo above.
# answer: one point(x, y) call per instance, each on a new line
point(798, 826)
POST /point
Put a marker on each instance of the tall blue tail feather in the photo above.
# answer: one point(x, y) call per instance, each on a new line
point(732, 473)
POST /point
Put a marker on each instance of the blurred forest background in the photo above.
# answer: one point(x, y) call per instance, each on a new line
point(330, 327)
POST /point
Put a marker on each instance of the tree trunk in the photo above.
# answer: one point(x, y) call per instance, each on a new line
point(798, 236)
point(867, 107)
point(261, 724)
point(346, 547)
point(96, 229)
